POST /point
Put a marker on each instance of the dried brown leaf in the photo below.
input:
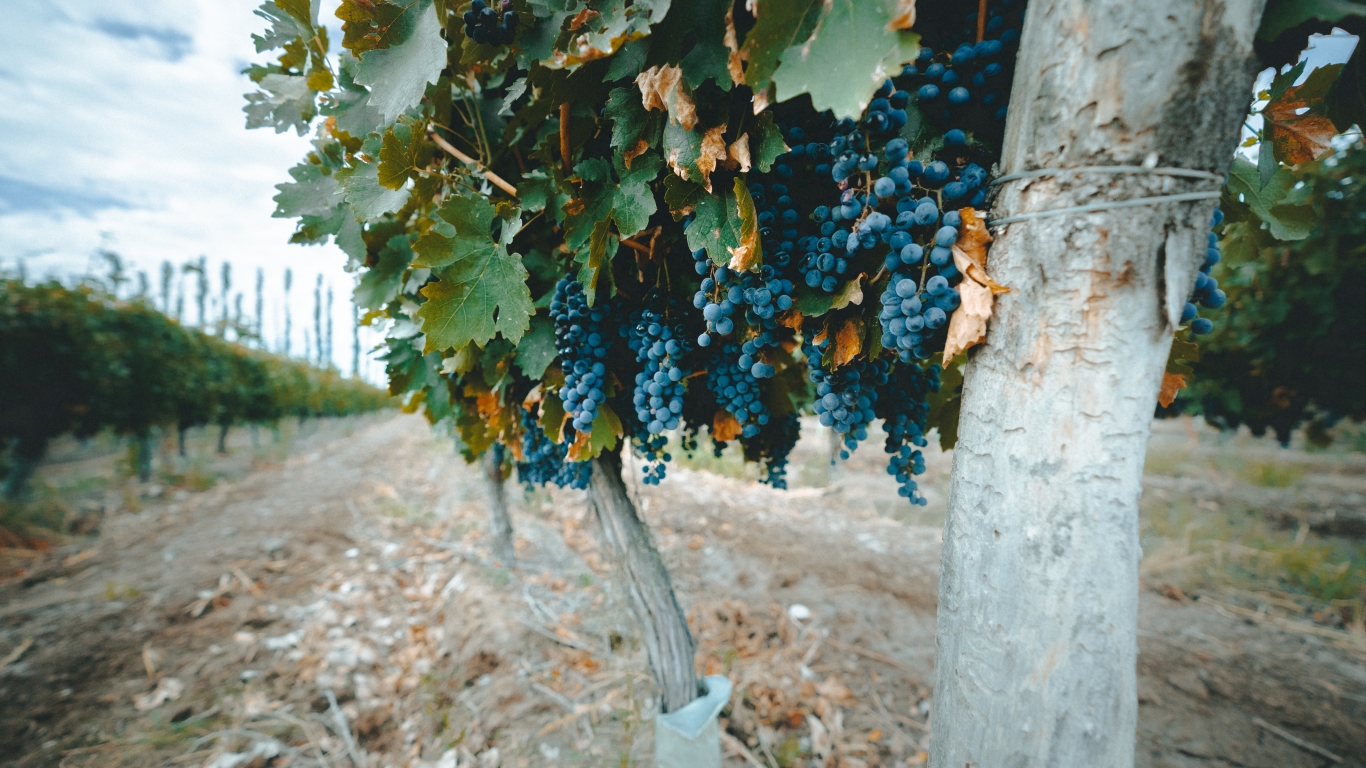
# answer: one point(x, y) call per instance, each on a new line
point(968, 327)
point(1299, 136)
point(737, 155)
point(662, 88)
point(1171, 384)
point(904, 16)
point(733, 62)
point(581, 448)
point(724, 427)
point(789, 319)
point(582, 17)
point(970, 252)
point(627, 155)
point(713, 149)
point(848, 342)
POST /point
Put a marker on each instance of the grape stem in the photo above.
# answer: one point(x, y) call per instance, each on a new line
point(564, 136)
point(496, 180)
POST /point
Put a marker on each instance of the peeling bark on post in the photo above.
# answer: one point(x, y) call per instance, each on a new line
point(500, 523)
point(1036, 642)
point(641, 572)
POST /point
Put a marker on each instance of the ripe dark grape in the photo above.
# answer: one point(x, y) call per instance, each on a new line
point(845, 396)
point(904, 411)
point(1206, 291)
point(737, 389)
point(544, 462)
point(658, 394)
point(582, 345)
point(484, 24)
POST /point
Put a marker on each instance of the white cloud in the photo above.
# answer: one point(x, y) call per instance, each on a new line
point(124, 129)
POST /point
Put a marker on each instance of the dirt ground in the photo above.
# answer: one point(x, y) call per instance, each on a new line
point(337, 606)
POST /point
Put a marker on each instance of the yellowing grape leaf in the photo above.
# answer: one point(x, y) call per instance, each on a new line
point(693, 156)
point(748, 254)
point(724, 427)
point(601, 436)
point(1297, 116)
point(848, 342)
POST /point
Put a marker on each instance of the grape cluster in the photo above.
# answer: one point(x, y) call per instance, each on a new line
point(544, 462)
point(658, 395)
point(736, 388)
point(486, 25)
point(1206, 292)
point(904, 412)
point(773, 446)
point(975, 76)
point(582, 346)
point(845, 398)
point(756, 296)
point(912, 318)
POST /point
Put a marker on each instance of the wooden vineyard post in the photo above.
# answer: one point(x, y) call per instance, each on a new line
point(1038, 601)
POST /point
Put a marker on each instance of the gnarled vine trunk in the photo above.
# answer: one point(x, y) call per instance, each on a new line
point(144, 456)
point(25, 456)
point(641, 573)
point(223, 439)
point(1038, 602)
point(500, 523)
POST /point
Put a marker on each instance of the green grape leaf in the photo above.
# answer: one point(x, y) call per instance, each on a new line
point(767, 143)
point(283, 102)
point(350, 103)
point(536, 351)
point(474, 299)
point(779, 27)
point(403, 153)
point(634, 128)
point(471, 226)
point(379, 285)
point(946, 405)
point(398, 75)
point(629, 201)
point(681, 196)
point(349, 239)
point(285, 24)
point(368, 199)
point(721, 223)
point(709, 55)
point(1285, 222)
point(1284, 15)
point(628, 61)
point(312, 193)
point(602, 248)
point(693, 154)
point(850, 53)
point(368, 25)
point(552, 415)
point(1347, 99)
point(602, 27)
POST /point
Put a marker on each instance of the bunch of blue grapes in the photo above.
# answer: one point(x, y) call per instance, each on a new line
point(582, 345)
point(737, 389)
point(486, 25)
point(658, 395)
point(772, 446)
point(543, 461)
point(1206, 292)
point(904, 412)
point(845, 396)
point(969, 79)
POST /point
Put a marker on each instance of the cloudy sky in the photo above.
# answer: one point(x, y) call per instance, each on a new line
point(123, 131)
